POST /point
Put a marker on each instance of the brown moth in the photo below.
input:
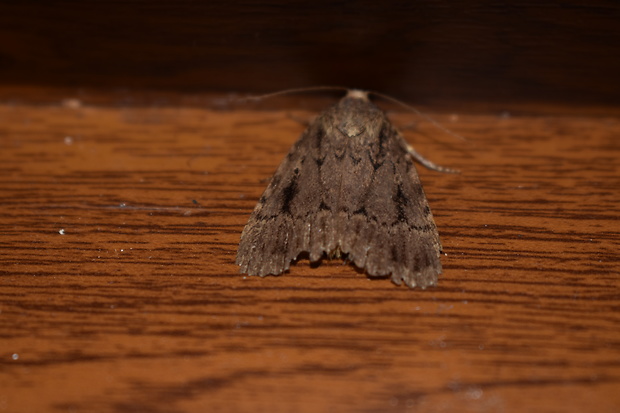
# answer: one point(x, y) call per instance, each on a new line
point(348, 188)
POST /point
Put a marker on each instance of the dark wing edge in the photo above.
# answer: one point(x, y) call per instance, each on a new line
point(291, 216)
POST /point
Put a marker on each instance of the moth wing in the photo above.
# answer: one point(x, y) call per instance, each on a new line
point(388, 228)
point(289, 214)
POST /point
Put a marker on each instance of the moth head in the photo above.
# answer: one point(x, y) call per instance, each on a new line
point(357, 94)
point(356, 116)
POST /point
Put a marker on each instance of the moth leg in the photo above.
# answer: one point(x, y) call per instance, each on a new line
point(428, 164)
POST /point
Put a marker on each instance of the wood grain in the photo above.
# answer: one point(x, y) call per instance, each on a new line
point(119, 292)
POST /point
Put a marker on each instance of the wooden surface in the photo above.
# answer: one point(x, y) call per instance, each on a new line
point(119, 292)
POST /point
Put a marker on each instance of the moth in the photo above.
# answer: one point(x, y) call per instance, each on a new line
point(348, 188)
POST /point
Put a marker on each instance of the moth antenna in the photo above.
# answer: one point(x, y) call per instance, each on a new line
point(290, 91)
point(420, 114)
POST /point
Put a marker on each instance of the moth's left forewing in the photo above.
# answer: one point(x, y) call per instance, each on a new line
point(422, 246)
point(403, 239)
